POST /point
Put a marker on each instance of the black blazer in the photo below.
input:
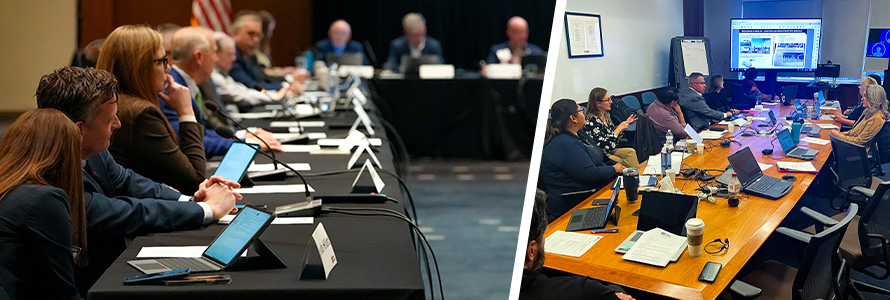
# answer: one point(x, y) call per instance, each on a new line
point(35, 243)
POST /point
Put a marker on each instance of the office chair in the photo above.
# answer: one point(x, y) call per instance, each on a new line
point(851, 168)
point(880, 149)
point(866, 242)
point(632, 102)
point(739, 100)
point(823, 273)
point(648, 98)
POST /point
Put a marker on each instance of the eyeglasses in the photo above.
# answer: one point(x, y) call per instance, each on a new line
point(718, 246)
point(162, 60)
point(607, 100)
point(583, 109)
point(700, 82)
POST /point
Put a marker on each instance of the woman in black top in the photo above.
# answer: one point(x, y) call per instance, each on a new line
point(715, 99)
point(42, 211)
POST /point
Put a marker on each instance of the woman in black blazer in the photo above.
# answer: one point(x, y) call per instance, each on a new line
point(42, 214)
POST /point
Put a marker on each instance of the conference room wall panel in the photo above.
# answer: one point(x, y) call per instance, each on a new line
point(636, 47)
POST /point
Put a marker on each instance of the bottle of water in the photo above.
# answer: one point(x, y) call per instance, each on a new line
point(334, 83)
point(669, 141)
point(733, 188)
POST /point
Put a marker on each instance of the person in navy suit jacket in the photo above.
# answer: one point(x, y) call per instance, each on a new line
point(568, 164)
point(516, 46)
point(414, 42)
point(339, 42)
point(119, 202)
point(247, 30)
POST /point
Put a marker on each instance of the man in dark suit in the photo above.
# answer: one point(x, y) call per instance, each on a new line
point(695, 109)
point(414, 43)
point(339, 42)
point(119, 202)
point(517, 46)
point(247, 30)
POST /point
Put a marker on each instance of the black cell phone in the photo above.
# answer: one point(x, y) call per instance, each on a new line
point(156, 277)
point(709, 272)
point(717, 129)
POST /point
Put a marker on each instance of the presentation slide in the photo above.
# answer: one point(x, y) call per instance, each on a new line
point(878, 43)
point(786, 44)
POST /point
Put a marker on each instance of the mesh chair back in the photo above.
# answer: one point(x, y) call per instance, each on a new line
point(851, 164)
point(632, 102)
point(874, 222)
point(821, 263)
point(880, 145)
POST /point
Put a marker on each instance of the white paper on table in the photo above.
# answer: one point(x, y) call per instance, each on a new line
point(299, 148)
point(296, 124)
point(760, 110)
point(813, 140)
point(655, 247)
point(828, 126)
point(255, 167)
point(277, 221)
point(569, 243)
point(764, 166)
point(254, 115)
point(653, 166)
point(738, 122)
point(711, 135)
point(311, 135)
point(376, 142)
point(826, 118)
point(274, 188)
point(175, 251)
point(796, 166)
point(757, 118)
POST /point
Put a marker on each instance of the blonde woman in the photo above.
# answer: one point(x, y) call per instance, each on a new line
point(146, 142)
point(873, 117)
point(855, 112)
point(603, 132)
point(42, 211)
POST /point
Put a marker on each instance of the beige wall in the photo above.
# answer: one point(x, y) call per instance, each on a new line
point(36, 37)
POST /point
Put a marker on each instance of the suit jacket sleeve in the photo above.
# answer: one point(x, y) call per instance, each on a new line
point(127, 182)
point(700, 106)
point(584, 167)
point(393, 60)
point(181, 165)
point(124, 216)
point(50, 233)
point(241, 74)
point(492, 55)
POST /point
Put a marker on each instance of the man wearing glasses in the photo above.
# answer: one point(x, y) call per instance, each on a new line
point(697, 112)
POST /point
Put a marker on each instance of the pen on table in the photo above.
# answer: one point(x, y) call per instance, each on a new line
point(613, 230)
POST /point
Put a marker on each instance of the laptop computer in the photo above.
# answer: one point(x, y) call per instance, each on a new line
point(752, 178)
point(791, 149)
point(236, 162)
point(826, 103)
point(594, 217)
point(668, 211)
point(222, 252)
point(812, 129)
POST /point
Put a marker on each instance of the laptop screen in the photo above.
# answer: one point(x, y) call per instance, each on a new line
point(238, 235)
point(236, 161)
point(745, 165)
point(821, 98)
point(785, 140)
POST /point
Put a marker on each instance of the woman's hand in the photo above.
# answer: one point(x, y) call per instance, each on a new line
point(177, 97)
point(623, 125)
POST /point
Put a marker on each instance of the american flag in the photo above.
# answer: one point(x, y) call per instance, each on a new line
point(214, 14)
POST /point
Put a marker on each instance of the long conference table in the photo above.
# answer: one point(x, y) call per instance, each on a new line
point(746, 226)
point(376, 254)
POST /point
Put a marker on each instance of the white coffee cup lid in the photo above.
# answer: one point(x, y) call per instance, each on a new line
point(695, 223)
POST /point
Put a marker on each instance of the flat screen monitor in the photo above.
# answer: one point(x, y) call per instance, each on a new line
point(878, 43)
point(775, 44)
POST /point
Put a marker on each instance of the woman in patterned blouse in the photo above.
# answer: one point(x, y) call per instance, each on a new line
point(603, 132)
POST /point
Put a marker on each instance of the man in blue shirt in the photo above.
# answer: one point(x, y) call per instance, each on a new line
point(339, 42)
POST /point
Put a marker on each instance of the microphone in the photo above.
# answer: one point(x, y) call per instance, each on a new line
point(371, 56)
point(214, 108)
point(310, 206)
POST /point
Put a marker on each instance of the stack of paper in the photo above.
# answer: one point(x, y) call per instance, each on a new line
point(711, 135)
point(816, 141)
point(828, 126)
point(569, 243)
point(655, 247)
point(738, 122)
point(796, 166)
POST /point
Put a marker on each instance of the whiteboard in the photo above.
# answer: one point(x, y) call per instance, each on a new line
point(695, 57)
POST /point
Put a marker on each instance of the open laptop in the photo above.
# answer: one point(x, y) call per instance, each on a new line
point(813, 129)
point(668, 211)
point(410, 66)
point(222, 252)
point(236, 162)
point(826, 103)
point(594, 217)
point(752, 178)
point(791, 149)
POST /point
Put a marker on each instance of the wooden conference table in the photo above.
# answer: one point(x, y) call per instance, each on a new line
point(746, 226)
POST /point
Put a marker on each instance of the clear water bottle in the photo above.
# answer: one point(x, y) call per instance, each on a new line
point(669, 141)
point(733, 188)
point(334, 82)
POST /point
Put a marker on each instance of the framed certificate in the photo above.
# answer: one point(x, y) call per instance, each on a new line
point(584, 35)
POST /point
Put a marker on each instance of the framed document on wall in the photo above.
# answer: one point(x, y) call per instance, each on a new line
point(584, 35)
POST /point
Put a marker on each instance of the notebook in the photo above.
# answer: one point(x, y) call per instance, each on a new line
point(791, 149)
point(222, 252)
point(752, 178)
point(236, 161)
point(594, 217)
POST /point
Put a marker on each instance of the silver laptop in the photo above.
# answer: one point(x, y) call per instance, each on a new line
point(791, 149)
point(222, 252)
point(826, 103)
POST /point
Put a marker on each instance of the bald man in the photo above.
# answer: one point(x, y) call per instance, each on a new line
point(512, 51)
point(339, 42)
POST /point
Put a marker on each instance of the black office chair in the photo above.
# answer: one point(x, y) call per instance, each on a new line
point(823, 273)
point(851, 168)
point(880, 149)
point(739, 100)
point(866, 243)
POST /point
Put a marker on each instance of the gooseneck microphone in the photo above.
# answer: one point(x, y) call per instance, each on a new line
point(227, 133)
point(214, 108)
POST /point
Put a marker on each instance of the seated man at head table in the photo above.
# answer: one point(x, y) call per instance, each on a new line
point(247, 30)
point(415, 42)
point(339, 42)
point(538, 286)
point(120, 203)
point(698, 114)
point(568, 162)
point(666, 115)
point(194, 54)
point(516, 46)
